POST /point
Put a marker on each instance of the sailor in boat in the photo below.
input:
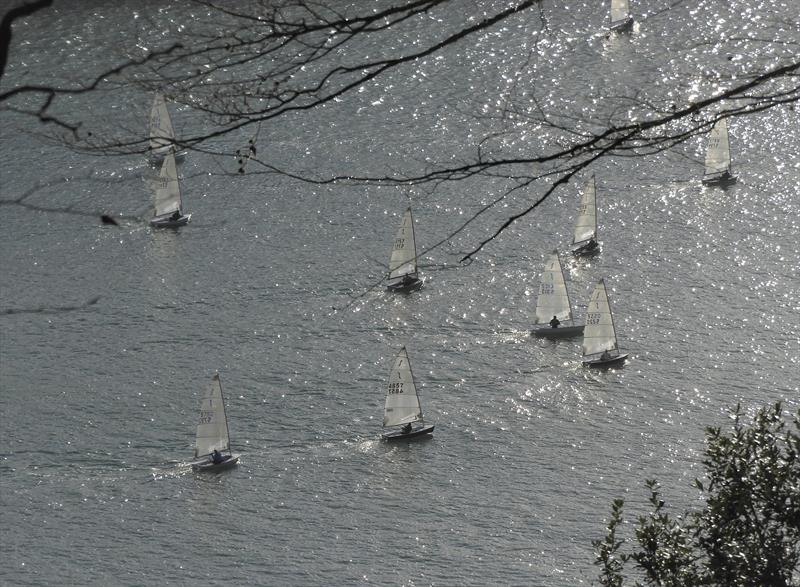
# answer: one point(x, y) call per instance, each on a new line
point(175, 215)
point(407, 428)
point(555, 322)
point(216, 457)
point(605, 356)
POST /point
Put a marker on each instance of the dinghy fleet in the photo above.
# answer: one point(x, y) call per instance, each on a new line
point(553, 316)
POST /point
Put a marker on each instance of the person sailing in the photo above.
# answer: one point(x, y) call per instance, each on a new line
point(555, 322)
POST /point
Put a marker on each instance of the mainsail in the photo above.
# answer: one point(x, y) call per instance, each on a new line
point(553, 298)
point(586, 223)
point(619, 11)
point(404, 251)
point(212, 429)
point(167, 190)
point(599, 334)
point(162, 135)
point(718, 152)
point(402, 402)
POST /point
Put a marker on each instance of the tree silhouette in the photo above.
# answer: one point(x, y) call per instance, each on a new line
point(748, 532)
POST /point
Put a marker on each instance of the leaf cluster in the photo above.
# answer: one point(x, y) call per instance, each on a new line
point(748, 532)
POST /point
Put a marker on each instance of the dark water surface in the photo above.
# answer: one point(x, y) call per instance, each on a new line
point(270, 285)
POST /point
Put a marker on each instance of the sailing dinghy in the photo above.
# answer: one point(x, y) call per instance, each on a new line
point(600, 347)
point(621, 19)
point(584, 236)
point(162, 134)
point(402, 413)
point(168, 197)
point(213, 446)
point(718, 156)
point(403, 275)
point(553, 308)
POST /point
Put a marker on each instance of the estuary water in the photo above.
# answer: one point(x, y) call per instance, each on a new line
point(110, 334)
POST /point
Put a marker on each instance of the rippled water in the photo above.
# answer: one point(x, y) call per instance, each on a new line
point(270, 285)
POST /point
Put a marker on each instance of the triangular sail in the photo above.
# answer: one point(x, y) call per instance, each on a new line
point(212, 428)
point(619, 11)
point(167, 190)
point(586, 223)
point(404, 250)
point(162, 134)
point(553, 298)
point(718, 152)
point(402, 402)
point(599, 334)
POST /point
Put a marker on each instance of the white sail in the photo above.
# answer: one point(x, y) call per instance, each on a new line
point(619, 11)
point(553, 298)
point(599, 334)
point(586, 223)
point(718, 152)
point(212, 429)
point(167, 189)
point(402, 402)
point(162, 135)
point(404, 250)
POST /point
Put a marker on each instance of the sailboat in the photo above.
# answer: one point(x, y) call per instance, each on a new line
point(168, 197)
point(162, 134)
point(403, 276)
point(584, 236)
point(599, 336)
point(553, 308)
point(621, 20)
point(213, 446)
point(402, 410)
point(718, 156)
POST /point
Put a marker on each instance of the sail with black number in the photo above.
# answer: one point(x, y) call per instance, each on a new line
point(403, 274)
point(584, 235)
point(402, 407)
point(553, 306)
point(599, 335)
point(212, 443)
point(718, 155)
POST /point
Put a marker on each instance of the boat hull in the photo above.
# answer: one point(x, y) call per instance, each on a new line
point(605, 362)
point(547, 331)
point(719, 179)
point(422, 431)
point(590, 247)
point(405, 284)
point(168, 222)
point(210, 467)
point(621, 26)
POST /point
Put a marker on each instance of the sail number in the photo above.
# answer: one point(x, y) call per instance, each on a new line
point(546, 289)
point(593, 318)
point(205, 417)
point(395, 387)
point(399, 243)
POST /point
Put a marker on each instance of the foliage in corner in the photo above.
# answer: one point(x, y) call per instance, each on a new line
point(748, 533)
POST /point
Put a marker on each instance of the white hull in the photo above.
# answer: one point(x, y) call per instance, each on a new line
point(398, 434)
point(168, 222)
point(547, 331)
point(604, 361)
point(589, 247)
point(723, 178)
point(156, 159)
point(404, 284)
point(621, 26)
point(208, 465)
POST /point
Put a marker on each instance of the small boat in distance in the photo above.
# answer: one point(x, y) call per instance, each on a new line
point(621, 19)
point(213, 446)
point(167, 197)
point(162, 134)
point(584, 235)
point(553, 308)
point(403, 275)
point(718, 156)
point(402, 409)
point(600, 347)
